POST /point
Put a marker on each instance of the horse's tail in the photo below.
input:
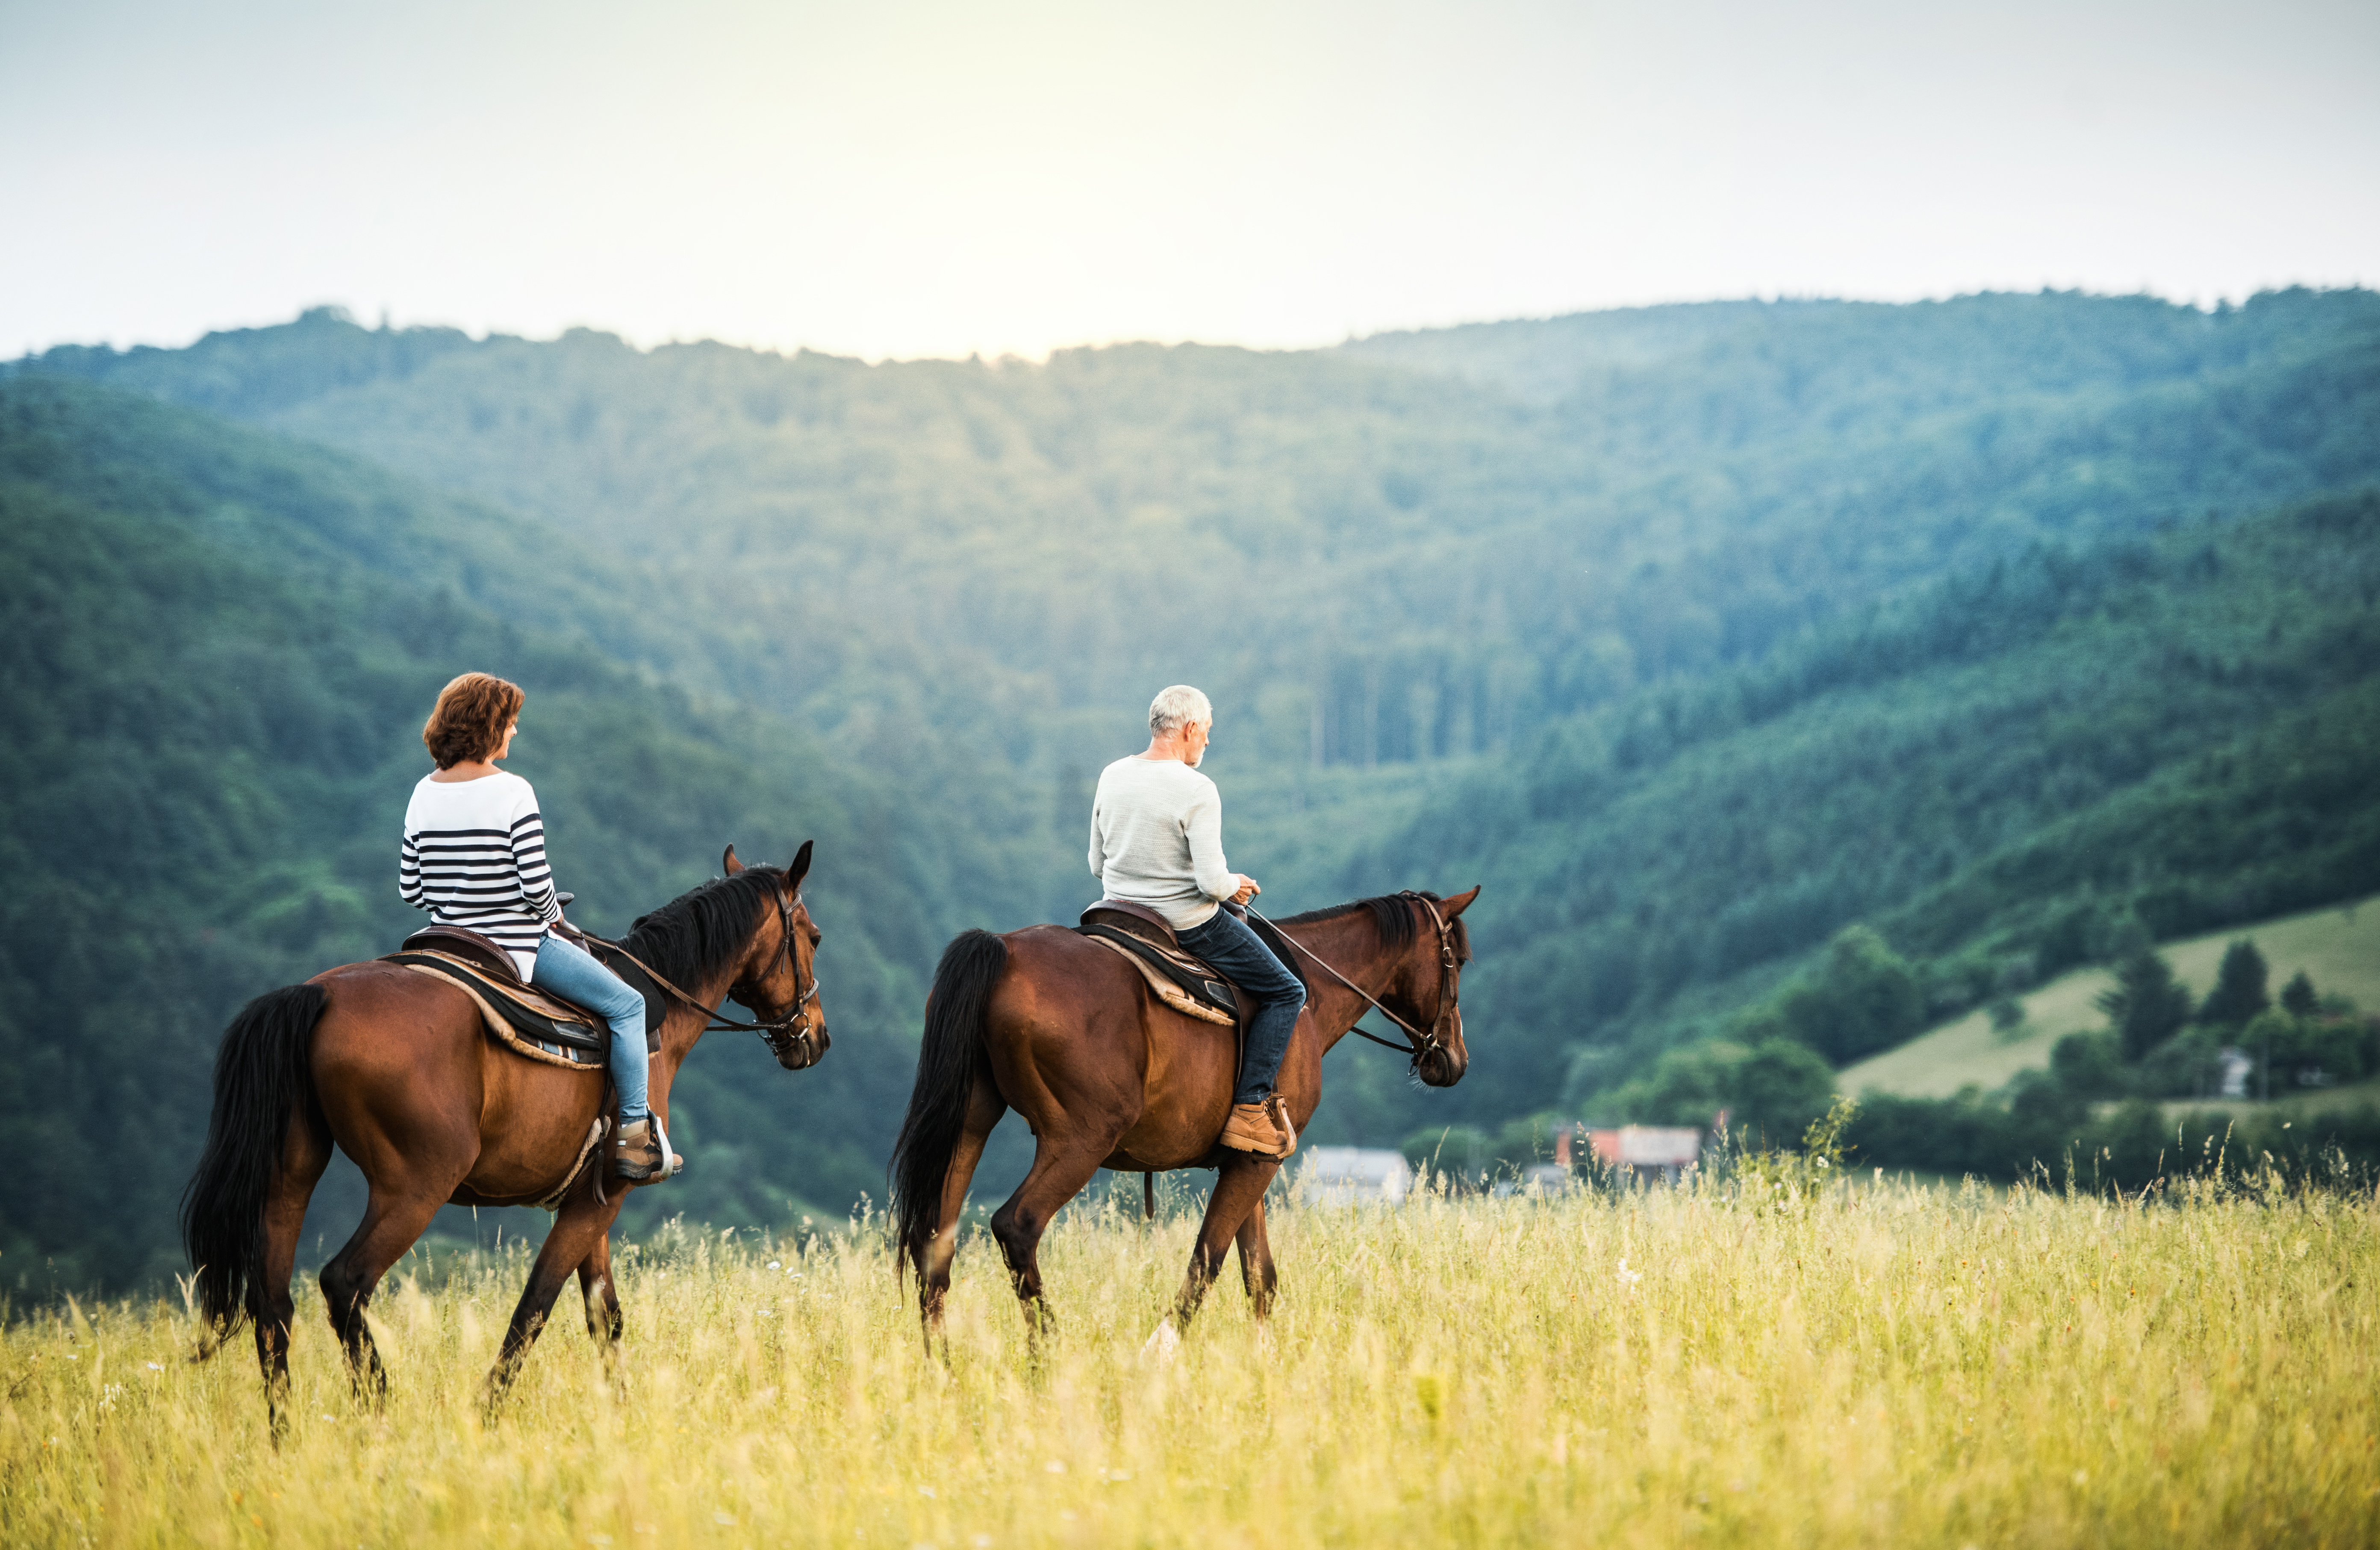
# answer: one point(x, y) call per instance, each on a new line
point(948, 1059)
point(263, 1072)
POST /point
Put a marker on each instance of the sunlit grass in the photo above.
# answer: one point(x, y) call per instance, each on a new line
point(1886, 1365)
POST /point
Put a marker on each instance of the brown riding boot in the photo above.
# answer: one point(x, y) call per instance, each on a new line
point(638, 1155)
point(1251, 1129)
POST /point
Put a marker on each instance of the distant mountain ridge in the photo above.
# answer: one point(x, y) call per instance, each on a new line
point(1419, 558)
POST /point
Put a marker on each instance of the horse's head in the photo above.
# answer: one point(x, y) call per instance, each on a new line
point(777, 982)
point(1431, 986)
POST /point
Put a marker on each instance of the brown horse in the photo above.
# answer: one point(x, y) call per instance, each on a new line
point(395, 1069)
point(1054, 1025)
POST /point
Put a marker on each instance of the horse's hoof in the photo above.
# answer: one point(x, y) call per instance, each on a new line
point(1163, 1343)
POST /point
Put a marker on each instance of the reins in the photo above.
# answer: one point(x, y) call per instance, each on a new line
point(1449, 990)
point(772, 1029)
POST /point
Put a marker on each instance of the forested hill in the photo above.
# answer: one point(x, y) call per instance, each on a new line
point(1696, 634)
point(1416, 548)
point(213, 705)
point(2000, 773)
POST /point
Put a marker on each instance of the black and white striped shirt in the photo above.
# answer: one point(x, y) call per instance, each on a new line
point(473, 855)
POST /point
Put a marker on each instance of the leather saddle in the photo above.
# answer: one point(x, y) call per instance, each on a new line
point(1142, 936)
point(533, 1022)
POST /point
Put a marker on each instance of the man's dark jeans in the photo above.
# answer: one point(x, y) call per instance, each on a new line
point(1226, 941)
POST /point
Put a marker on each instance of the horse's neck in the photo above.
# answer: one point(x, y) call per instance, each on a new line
point(682, 1026)
point(1351, 945)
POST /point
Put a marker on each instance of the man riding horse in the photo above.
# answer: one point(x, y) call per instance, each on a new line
point(1157, 839)
point(1111, 1072)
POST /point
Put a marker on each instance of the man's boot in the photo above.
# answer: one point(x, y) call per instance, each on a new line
point(638, 1155)
point(1251, 1129)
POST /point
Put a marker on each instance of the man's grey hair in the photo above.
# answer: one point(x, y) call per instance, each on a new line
point(1177, 706)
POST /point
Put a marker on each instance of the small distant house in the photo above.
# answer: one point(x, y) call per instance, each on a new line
point(1352, 1176)
point(1553, 1178)
point(1670, 1151)
point(2235, 1065)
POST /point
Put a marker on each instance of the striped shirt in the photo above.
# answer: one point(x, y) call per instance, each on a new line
point(473, 855)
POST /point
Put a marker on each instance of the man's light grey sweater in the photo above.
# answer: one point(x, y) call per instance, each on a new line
point(1157, 839)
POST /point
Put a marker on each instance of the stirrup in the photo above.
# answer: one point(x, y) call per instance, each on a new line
point(641, 1159)
point(1276, 1109)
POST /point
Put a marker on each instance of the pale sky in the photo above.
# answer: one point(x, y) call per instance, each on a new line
point(936, 179)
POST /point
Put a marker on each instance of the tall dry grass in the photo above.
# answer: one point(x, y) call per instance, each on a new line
point(1878, 1365)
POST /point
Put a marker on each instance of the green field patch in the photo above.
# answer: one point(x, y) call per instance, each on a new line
point(2338, 948)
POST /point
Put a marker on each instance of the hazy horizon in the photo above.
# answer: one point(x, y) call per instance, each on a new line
point(932, 181)
point(645, 346)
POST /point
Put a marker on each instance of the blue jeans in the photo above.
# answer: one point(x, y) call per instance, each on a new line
point(573, 974)
point(1227, 942)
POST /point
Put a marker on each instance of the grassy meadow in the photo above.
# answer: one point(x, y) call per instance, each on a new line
point(1874, 1364)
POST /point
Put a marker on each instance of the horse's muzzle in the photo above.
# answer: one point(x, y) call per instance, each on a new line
point(804, 1050)
point(1441, 1066)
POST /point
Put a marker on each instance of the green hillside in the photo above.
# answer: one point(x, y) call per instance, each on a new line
point(2004, 626)
point(1402, 550)
point(1998, 774)
point(2338, 948)
point(213, 710)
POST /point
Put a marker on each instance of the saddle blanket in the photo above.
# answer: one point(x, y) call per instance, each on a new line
point(522, 1020)
point(1143, 939)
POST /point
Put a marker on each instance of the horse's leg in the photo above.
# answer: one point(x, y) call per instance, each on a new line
point(578, 1228)
point(603, 1295)
point(303, 1157)
point(1255, 1260)
point(1239, 1188)
point(394, 1220)
point(984, 1109)
point(1060, 1170)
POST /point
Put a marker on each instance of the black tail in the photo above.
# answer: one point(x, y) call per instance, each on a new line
point(947, 1058)
point(262, 1073)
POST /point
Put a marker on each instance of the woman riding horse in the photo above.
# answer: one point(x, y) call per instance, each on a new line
point(398, 1067)
point(474, 857)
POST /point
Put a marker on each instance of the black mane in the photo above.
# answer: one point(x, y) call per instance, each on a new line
point(1395, 918)
point(698, 933)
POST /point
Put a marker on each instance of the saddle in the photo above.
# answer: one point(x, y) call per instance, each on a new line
point(1144, 938)
point(527, 1021)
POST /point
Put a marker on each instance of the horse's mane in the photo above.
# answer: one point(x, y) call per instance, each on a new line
point(698, 933)
point(1394, 917)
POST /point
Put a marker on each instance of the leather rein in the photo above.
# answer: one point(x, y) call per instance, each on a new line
point(772, 1030)
point(1449, 988)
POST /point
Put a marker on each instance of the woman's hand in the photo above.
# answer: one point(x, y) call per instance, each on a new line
point(1247, 890)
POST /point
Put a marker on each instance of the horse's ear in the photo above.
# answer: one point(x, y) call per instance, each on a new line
point(729, 863)
point(1459, 902)
point(801, 867)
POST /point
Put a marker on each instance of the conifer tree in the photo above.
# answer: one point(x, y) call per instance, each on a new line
point(2239, 992)
point(2147, 1005)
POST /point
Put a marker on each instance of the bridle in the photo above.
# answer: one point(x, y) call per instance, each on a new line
point(773, 1031)
point(1418, 1044)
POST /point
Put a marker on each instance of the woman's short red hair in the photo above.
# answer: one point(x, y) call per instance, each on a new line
point(471, 718)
